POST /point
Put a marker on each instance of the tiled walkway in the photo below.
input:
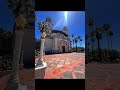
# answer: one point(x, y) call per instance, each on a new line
point(26, 78)
point(65, 66)
point(102, 76)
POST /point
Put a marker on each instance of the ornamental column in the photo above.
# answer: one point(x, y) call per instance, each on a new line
point(41, 65)
point(13, 82)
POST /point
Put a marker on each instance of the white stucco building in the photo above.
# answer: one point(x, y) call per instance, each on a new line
point(57, 41)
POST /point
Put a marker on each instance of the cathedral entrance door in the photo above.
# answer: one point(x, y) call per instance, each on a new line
point(63, 48)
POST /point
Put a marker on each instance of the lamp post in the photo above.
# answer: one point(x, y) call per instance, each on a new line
point(13, 82)
point(41, 65)
point(42, 28)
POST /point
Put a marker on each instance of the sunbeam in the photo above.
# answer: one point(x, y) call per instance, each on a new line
point(57, 24)
point(65, 14)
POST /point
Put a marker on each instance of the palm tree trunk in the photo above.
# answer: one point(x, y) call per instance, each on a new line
point(91, 41)
point(108, 49)
point(76, 47)
point(99, 49)
point(73, 44)
point(108, 43)
point(111, 53)
point(80, 43)
point(111, 43)
point(86, 50)
point(92, 47)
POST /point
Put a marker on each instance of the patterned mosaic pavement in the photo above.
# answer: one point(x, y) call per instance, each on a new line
point(102, 76)
point(65, 66)
point(26, 78)
point(60, 66)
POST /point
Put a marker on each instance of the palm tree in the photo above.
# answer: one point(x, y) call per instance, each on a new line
point(92, 40)
point(72, 39)
point(86, 38)
point(106, 28)
point(70, 45)
point(81, 42)
point(73, 42)
point(79, 37)
point(19, 7)
point(110, 33)
point(76, 40)
point(35, 17)
point(86, 46)
point(98, 37)
point(90, 24)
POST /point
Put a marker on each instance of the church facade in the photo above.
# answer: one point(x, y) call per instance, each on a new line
point(57, 41)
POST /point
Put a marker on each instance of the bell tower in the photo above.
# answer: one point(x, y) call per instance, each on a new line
point(49, 26)
point(65, 30)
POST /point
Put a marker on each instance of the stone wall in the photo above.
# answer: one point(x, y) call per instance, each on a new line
point(54, 44)
point(48, 45)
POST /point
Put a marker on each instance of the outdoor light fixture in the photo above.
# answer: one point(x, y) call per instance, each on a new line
point(43, 35)
point(20, 21)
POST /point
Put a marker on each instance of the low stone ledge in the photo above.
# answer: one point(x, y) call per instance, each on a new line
point(40, 71)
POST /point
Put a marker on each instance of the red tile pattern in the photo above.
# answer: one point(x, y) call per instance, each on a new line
point(60, 64)
point(102, 76)
point(26, 78)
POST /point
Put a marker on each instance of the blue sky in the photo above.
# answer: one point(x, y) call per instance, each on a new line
point(6, 16)
point(75, 22)
point(102, 11)
point(105, 11)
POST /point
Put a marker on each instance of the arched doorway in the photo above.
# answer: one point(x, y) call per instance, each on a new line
point(63, 49)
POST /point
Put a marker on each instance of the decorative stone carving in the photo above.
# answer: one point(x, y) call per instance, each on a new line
point(20, 21)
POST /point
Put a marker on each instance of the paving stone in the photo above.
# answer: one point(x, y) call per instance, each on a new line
point(52, 65)
point(79, 75)
point(68, 75)
point(58, 61)
point(48, 69)
point(77, 68)
point(26, 79)
point(106, 76)
point(67, 62)
point(58, 66)
point(61, 62)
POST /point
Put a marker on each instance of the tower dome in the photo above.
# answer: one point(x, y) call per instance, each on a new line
point(65, 30)
point(48, 19)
